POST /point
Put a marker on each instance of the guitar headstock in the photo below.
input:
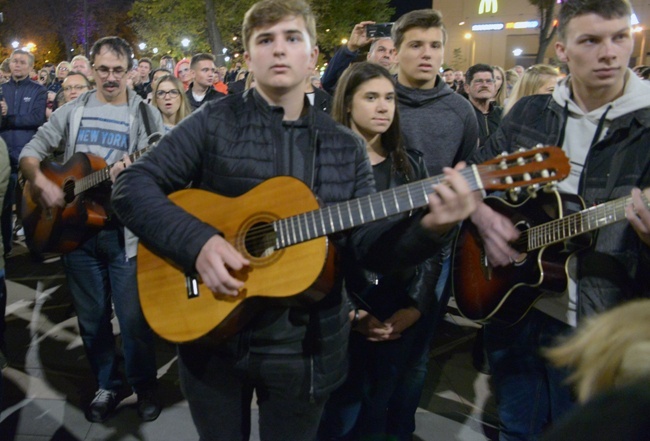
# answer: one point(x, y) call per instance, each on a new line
point(525, 168)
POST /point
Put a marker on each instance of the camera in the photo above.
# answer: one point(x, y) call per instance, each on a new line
point(378, 30)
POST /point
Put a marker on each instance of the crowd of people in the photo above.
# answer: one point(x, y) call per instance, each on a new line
point(386, 111)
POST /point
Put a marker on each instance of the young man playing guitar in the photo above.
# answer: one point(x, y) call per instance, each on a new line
point(291, 355)
point(600, 116)
point(109, 123)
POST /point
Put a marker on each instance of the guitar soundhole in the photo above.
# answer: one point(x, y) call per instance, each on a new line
point(260, 240)
point(68, 190)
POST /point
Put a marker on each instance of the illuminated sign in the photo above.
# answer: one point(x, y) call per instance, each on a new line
point(487, 27)
point(488, 6)
point(531, 24)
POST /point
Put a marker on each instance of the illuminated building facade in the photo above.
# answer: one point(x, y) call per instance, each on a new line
point(506, 32)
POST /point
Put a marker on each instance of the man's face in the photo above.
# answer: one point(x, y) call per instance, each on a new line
point(459, 76)
point(383, 53)
point(448, 76)
point(204, 73)
point(597, 52)
point(281, 55)
point(73, 86)
point(419, 57)
point(83, 67)
point(110, 76)
point(19, 66)
point(222, 71)
point(482, 86)
point(143, 69)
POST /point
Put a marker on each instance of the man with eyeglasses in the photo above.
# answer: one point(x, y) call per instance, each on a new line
point(74, 85)
point(479, 86)
point(111, 122)
point(201, 89)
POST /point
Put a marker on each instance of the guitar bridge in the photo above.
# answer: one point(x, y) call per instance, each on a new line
point(192, 286)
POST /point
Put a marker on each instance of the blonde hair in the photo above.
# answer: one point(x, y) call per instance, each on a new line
point(185, 108)
point(533, 78)
point(500, 95)
point(609, 350)
point(270, 12)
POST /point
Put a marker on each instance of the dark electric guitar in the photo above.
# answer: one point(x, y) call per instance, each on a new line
point(553, 227)
point(62, 229)
point(281, 229)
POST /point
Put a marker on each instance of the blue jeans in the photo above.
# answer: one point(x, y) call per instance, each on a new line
point(530, 393)
point(406, 398)
point(98, 272)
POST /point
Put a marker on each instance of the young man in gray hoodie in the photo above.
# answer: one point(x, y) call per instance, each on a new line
point(600, 116)
point(442, 125)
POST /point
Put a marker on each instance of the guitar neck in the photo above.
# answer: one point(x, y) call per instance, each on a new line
point(575, 224)
point(100, 176)
point(343, 216)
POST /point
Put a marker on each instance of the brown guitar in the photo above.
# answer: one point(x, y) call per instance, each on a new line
point(553, 227)
point(62, 229)
point(280, 228)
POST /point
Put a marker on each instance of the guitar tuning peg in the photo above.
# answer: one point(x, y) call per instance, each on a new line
point(538, 156)
point(550, 187)
point(521, 161)
point(509, 180)
point(514, 193)
point(532, 190)
point(545, 174)
point(527, 177)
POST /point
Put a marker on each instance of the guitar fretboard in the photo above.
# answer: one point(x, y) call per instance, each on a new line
point(342, 216)
point(575, 224)
point(101, 176)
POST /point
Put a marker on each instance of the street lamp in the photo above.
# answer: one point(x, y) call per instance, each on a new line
point(15, 44)
point(155, 50)
point(142, 46)
point(185, 42)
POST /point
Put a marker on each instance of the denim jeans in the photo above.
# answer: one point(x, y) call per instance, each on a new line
point(530, 393)
point(98, 272)
point(406, 399)
point(219, 388)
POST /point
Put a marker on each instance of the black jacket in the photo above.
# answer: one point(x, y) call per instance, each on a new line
point(230, 146)
point(211, 94)
point(487, 123)
point(383, 294)
point(617, 267)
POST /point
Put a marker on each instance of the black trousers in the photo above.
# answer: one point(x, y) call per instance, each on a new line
point(219, 389)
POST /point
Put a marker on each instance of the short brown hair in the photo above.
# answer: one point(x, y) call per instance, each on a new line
point(607, 9)
point(269, 12)
point(200, 57)
point(421, 18)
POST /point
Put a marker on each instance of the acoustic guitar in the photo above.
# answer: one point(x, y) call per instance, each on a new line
point(281, 229)
point(63, 229)
point(554, 227)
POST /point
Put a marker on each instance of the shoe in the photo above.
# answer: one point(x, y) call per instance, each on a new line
point(101, 406)
point(149, 406)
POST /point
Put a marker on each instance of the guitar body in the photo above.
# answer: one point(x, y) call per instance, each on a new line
point(505, 294)
point(61, 230)
point(306, 270)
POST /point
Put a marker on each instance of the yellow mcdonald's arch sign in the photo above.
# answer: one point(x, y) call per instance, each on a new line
point(488, 6)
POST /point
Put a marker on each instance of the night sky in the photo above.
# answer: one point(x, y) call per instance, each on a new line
point(404, 6)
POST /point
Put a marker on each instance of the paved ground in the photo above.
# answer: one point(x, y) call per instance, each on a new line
point(49, 381)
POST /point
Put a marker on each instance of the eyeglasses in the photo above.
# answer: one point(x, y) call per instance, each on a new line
point(77, 87)
point(63, 68)
point(174, 93)
point(488, 82)
point(104, 72)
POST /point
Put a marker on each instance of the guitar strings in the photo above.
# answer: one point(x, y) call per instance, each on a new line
point(298, 227)
point(558, 230)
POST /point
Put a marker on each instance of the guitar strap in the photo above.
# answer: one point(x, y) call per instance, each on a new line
point(145, 118)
